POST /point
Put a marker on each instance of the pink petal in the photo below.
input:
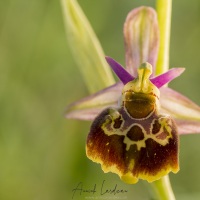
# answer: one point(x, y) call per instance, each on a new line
point(185, 112)
point(188, 126)
point(158, 81)
point(89, 107)
point(141, 37)
point(168, 76)
point(122, 74)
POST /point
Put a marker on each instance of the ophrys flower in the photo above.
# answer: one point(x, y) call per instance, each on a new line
point(141, 43)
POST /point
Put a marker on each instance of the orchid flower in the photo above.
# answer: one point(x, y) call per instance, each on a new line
point(136, 121)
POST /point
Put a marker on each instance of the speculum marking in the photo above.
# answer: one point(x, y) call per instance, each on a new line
point(156, 127)
point(135, 133)
point(117, 123)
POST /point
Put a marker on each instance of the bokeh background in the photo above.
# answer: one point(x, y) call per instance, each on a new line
point(42, 155)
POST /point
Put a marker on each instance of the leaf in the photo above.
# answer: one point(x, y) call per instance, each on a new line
point(86, 48)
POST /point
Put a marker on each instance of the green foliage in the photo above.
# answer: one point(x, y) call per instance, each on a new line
point(42, 154)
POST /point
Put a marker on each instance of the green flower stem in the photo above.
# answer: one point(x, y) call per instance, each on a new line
point(164, 21)
point(163, 189)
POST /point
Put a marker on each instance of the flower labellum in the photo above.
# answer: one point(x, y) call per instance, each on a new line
point(135, 141)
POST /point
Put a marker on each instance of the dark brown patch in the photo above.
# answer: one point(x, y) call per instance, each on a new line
point(135, 133)
point(97, 148)
point(156, 127)
point(138, 108)
point(117, 123)
point(139, 105)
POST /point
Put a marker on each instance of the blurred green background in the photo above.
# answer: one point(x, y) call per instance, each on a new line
point(42, 155)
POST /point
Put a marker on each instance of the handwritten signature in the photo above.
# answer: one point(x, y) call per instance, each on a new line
point(80, 189)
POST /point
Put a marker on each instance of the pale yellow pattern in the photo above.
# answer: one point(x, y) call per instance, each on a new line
point(129, 177)
point(165, 123)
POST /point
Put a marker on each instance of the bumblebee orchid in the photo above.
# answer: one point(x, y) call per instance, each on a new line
point(137, 121)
